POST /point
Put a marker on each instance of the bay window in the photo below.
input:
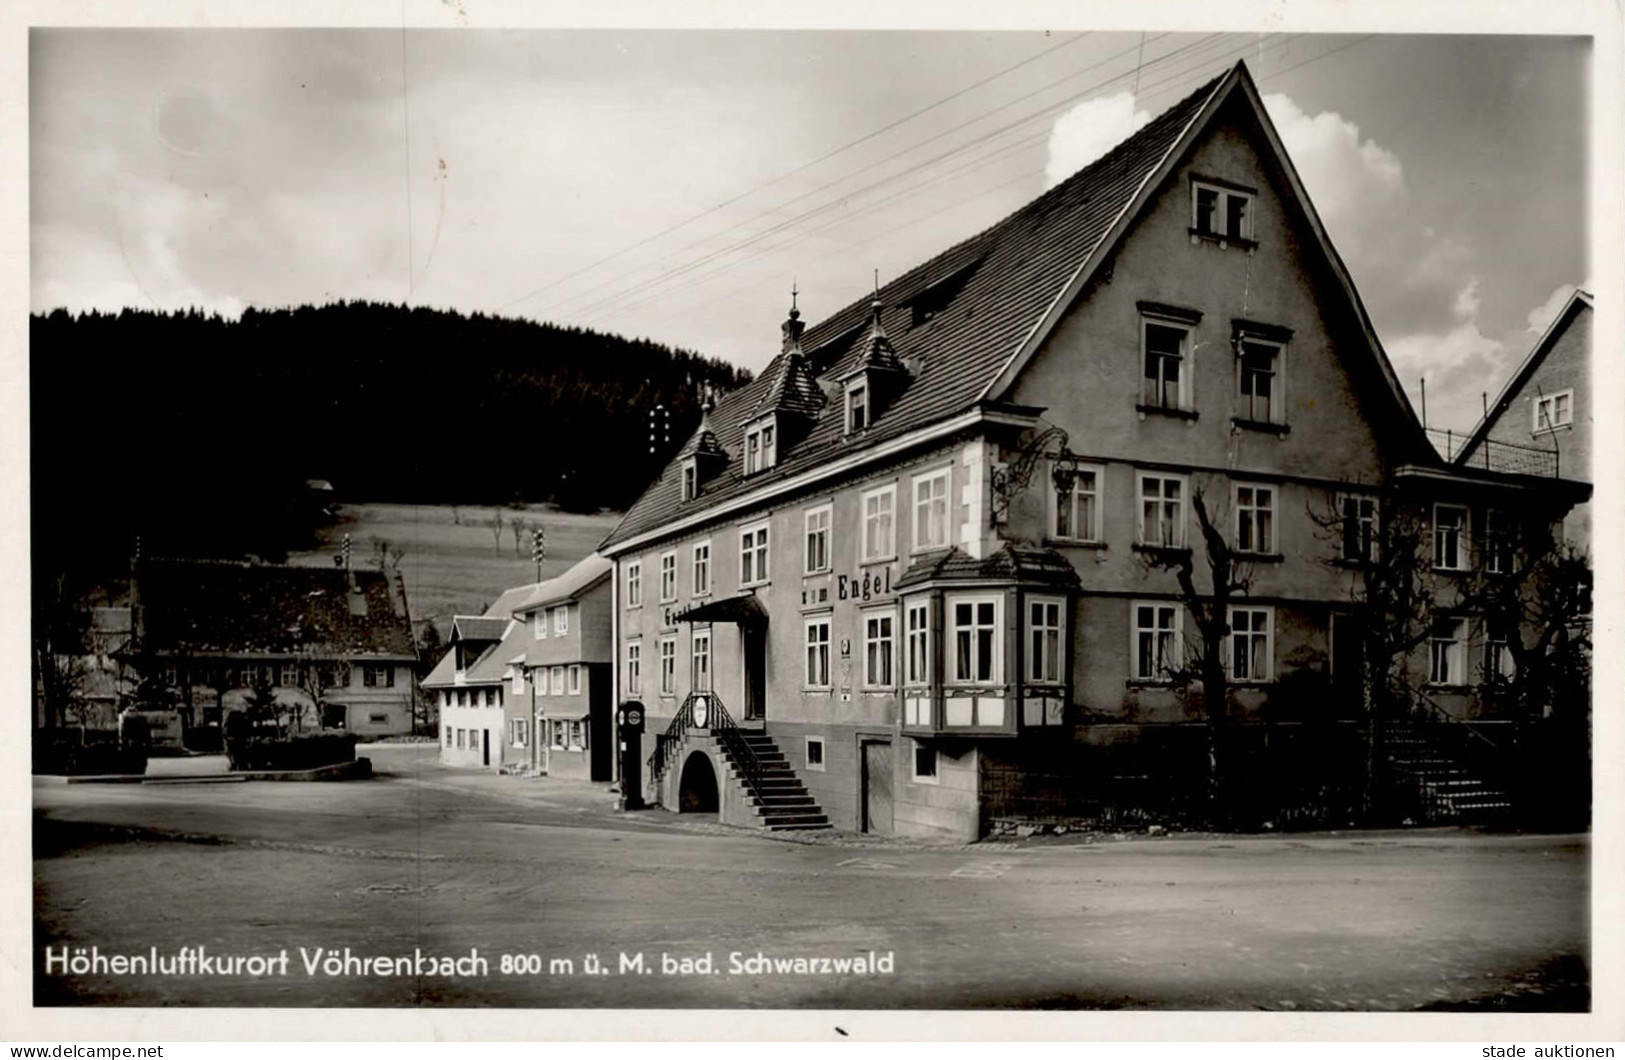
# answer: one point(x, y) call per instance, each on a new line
point(977, 658)
point(1044, 640)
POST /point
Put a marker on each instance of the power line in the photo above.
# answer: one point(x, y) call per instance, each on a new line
point(552, 306)
point(650, 283)
point(704, 259)
point(937, 210)
point(799, 169)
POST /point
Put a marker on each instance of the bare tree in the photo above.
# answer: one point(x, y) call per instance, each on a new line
point(60, 634)
point(1228, 576)
point(519, 527)
point(386, 557)
point(1387, 550)
point(496, 529)
point(1532, 592)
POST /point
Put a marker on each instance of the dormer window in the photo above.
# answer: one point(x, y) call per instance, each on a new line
point(1222, 212)
point(691, 479)
point(761, 451)
point(857, 406)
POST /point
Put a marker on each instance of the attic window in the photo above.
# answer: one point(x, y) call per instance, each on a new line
point(691, 479)
point(1221, 212)
point(857, 406)
point(761, 449)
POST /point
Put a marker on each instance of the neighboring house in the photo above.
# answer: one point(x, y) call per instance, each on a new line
point(566, 640)
point(334, 645)
point(911, 559)
point(468, 687)
point(1546, 406)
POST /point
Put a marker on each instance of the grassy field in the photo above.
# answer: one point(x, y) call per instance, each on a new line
point(454, 562)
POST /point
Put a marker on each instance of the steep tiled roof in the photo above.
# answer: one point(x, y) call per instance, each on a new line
point(794, 389)
point(244, 608)
point(878, 353)
point(569, 585)
point(1021, 265)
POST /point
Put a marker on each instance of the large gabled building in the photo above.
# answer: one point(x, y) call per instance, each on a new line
point(898, 581)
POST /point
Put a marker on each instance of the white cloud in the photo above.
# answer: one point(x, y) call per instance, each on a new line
point(1349, 179)
point(1542, 315)
point(1088, 131)
point(1467, 302)
point(1440, 353)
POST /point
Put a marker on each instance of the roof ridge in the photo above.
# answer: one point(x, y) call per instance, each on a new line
point(1084, 173)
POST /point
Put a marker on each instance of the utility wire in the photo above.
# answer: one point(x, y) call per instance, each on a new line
point(684, 269)
point(799, 169)
point(611, 301)
point(936, 211)
point(829, 185)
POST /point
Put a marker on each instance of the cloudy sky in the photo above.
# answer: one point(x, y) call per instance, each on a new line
point(672, 184)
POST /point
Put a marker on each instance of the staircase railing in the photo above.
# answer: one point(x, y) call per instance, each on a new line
point(666, 742)
point(722, 727)
point(738, 748)
point(1476, 752)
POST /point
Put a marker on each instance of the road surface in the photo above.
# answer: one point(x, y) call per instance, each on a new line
point(431, 863)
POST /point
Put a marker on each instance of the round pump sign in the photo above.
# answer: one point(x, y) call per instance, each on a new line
point(702, 708)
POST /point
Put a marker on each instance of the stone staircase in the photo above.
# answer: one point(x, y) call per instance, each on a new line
point(783, 804)
point(1448, 789)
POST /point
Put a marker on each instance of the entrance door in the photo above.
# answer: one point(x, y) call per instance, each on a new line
point(877, 787)
point(1346, 631)
point(485, 744)
point(754, 643)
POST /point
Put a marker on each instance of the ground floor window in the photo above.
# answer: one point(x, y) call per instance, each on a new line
point(702, 660)
point(1446, 647)
point(815, 753)
point(1250, 637)
point(634, 668)
point(578, 739)
point(519, 732)
point(1156, 641)
point(461, 736)
point(925, 764)
point(1498, 661)
point(816, 672)
point(448, 737)
point(668, 666)
point(878, 640)
point(558, 735)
